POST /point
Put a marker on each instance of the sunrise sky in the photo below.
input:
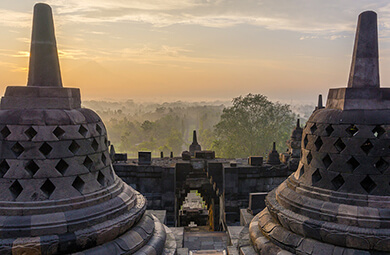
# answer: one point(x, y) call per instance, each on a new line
point(167, 50)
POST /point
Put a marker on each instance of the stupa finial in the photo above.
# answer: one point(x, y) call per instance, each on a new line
point(320, 105)
point(194, 138)
point(44, 69)
point(365, 65)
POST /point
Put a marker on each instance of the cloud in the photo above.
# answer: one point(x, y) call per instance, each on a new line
point(72, 54)
point(299, 15)
point(14, 19)
point(70, 6)
point(328, 19)
point(21, 54)
point(150, 52)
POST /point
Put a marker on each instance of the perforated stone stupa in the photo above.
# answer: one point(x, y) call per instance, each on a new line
point(58, 191)
point(338, 201)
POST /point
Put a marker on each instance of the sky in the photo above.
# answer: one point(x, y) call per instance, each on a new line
point(165, 50)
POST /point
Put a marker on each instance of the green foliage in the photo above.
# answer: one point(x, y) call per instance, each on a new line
point(251, 125)
point(246, 128)
point(206, 138)
point(157, 127)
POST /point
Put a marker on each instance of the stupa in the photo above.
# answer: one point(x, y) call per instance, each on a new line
point(338, 200)
point(294, 147)
point(273, 156)
point(195, 146)
point(58, 191)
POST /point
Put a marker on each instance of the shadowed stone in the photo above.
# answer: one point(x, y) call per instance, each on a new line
point(44, 87)
point(44, 68)
point(273, 156)
point(66, 173)
point(337, 200)
point(195, 146)
point(363, 91)
point(365, 67)
point(319, 105)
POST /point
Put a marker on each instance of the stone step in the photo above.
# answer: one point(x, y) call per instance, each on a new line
point(209, 252)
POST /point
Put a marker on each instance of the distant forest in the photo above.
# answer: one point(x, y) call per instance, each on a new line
point(135, 126)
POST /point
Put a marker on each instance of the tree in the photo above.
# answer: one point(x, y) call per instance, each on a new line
point(251, 125)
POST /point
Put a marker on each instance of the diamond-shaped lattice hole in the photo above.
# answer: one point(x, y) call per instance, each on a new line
point(74, 147)
point(316, 176)
point(367, 146)
point(4, 167)
point(98, 129)
point(353, 163)
point(83, 131)
point(329, 130)
point(381, 165)
point(106, 141)
point(62, 166)
point(100, 178)
point(48, 188)
point(95, 145)
point(45, 149)
point(58, 132)
point(5, 132)
point(17, 149)
point(340, 146)
point(78, 184)
point(309, 157)
point(15, 189)
point(318, 143)
point(368, 184)
point(352, 130)
point(378, 131)
point(327, 161)
point(313, 128)
point(338, 181)
point(104, 159)
point(88, 163)
point(32, 167)
point(301, 171)
point(30, 133)
point(305, 141)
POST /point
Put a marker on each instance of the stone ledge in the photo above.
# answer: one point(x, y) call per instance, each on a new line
point(268, 235)
point(41, 98)
point(319, 232)
point(358, 98)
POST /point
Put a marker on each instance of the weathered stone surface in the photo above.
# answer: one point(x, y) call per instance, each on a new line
point(195, 146)
point(273, 156)
point(44, 67)
point(365, 66)
point(337, 201)
point(58, 190)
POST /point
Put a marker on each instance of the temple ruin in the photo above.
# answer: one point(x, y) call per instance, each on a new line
point(64, 190)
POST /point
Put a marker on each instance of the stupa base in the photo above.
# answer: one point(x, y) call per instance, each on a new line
point(138, 240)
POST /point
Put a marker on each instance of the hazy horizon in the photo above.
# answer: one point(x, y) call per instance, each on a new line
point(195, 50)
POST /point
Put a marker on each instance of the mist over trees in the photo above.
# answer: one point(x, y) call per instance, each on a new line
point(246, 126)
point(166, 127)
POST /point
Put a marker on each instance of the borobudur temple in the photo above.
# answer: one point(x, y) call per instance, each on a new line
point(58, 191)
point(338, 200)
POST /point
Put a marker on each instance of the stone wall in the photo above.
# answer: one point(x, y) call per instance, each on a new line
point(242, 180)
point(233, 184)
point(156, 183)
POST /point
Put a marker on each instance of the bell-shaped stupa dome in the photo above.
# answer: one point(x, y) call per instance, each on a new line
point(338, 200)
point(58, 190)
